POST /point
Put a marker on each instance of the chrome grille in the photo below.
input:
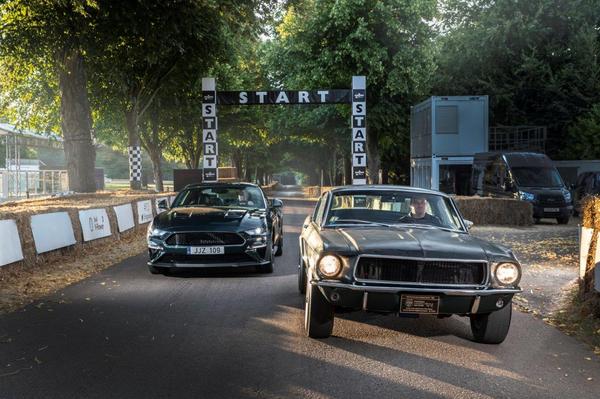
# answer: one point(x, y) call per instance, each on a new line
point(418, 271)
point(205, 238)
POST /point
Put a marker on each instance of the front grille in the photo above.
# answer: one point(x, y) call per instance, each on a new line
point(421, 271)
point(205, 238)
point(551, 200)
point(206, 259)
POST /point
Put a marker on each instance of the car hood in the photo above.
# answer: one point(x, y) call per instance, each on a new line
point(209, 219)
point(413, 242)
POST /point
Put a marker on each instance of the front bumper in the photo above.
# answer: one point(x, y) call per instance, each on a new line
point(540, 211)
point(387, 298)
point(234, 256)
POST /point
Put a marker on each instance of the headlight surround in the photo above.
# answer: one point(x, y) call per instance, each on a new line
point(525, 196)
point(507, 274)
point(257, 237)
point(156, 233)
point(259, 231)
point(329, 266)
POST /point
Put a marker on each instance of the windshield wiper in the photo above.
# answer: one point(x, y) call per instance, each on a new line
point(360, 221)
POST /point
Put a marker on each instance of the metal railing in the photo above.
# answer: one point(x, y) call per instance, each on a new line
point(518, 138)
point(25, 184)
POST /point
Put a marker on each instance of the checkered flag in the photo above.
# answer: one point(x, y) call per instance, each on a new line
point(135, 163)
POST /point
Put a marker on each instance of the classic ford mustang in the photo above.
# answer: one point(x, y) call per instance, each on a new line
point(394, 249)
point(216, 225)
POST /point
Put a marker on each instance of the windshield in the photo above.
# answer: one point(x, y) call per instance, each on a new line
point(391, 208)
point(537, 177)
point(219, 196)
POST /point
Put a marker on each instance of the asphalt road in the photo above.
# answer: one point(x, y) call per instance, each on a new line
point(127, 334)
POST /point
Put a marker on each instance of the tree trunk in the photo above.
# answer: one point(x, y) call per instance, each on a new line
point(76, 123)
point(156, 158)
point(373, 157)
point(131, 119)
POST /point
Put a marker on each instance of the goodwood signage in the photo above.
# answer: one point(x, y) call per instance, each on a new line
point(356, 97)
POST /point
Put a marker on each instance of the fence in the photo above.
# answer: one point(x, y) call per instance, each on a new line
point(19, 184)
point(518, 138)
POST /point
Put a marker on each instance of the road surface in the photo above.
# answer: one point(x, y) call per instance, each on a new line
point(127, 334)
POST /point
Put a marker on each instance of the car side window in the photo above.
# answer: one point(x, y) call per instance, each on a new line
point(321, 210)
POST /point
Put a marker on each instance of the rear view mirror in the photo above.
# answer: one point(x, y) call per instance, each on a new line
point(469, 224)
point(163, 205)
point(276, 203)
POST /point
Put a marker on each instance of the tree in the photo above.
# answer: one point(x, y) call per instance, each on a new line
point(45, 35)
point(324, 43)
point(537, 59)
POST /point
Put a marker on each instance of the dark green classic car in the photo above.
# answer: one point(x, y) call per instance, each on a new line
point(394, 249)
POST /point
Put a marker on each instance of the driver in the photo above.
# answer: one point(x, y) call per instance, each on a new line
point(419, 213)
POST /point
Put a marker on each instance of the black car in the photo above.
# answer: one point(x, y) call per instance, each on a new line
point(394, 249)
point(588, 183)
point(217, 225)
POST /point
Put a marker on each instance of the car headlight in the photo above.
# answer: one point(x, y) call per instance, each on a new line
point(567, 195)
point(330, 265)
point(525, 196)
point(507, 273)
point(158, 233)
point(259, 231)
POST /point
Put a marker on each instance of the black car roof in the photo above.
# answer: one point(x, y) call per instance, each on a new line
point(220, 184)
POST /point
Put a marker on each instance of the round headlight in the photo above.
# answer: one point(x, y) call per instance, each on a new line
point(507, 273)
point(330, 265)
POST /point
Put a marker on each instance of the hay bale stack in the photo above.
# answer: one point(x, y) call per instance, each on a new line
point(499, 211)
point(591, 219)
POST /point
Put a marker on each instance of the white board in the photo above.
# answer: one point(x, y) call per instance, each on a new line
point(144, 209)
point(94, 224)
point(584, 248)
point(124, 217)
point(10, 244)
point(166, 199)
point(52, 231)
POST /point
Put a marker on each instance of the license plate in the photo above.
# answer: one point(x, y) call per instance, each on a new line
point(551, 209)
point(206, 250)
point(424, 304)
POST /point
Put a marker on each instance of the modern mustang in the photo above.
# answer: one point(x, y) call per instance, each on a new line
point(394, 249)
point(216, 225)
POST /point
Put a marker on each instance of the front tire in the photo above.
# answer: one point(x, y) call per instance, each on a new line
point(301, 277)
point(563, 220)
point(279, 251)
point(155, 270)
point(318, 313)
point(491, 328)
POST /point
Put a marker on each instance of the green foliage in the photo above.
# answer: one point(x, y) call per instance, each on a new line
point(584, 135)
point(537, 59)
point(322, 44)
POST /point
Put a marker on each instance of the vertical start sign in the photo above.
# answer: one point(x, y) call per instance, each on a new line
point(210, 171)
point(359, 130)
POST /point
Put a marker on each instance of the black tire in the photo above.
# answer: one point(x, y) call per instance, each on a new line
point(536, 220)
point(491, 328)
point(268, 268)
point(301, 277)
point(155, 270)
point(318, 313)
point(279, 251)
point(563, 220)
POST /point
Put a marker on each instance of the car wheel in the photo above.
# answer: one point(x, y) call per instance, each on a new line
point(491, 328)
point(301, 276)
point(279, 251)
point(318, 313)
point(268, 268)
point(155, 270)
point(536, 220)
point(563, 220)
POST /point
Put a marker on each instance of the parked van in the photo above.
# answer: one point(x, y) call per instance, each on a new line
point(528, 176)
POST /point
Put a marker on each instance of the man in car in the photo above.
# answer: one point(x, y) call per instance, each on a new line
point(419, 213)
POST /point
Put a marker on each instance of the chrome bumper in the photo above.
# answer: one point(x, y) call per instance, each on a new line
point(397, 289)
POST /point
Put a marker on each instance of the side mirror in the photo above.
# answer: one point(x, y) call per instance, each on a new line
point(468, 223)
point(276, 203)
point(163, 205)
